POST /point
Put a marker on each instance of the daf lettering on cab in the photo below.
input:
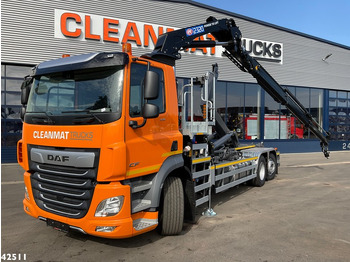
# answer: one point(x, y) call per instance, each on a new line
point(109, 150)
point(58, 158)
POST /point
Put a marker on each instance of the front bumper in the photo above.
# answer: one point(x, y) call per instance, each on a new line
point(126, 225)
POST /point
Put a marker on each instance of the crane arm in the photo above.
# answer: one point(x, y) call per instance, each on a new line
point(229, 36)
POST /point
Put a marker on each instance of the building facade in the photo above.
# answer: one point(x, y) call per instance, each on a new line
point(316, 71)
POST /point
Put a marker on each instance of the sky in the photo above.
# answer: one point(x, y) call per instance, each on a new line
point(326, 19)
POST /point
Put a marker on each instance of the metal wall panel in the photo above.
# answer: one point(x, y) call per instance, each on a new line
point(28, 38)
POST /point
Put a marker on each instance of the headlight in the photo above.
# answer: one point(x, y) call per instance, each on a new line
point(109, 207)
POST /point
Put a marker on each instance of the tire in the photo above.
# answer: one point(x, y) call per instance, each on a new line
point(172, 207)
point(271, 167)
point(259, 181)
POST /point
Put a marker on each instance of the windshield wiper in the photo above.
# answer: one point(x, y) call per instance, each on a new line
point(51, 121)
point(43, 120)
point(85, 111)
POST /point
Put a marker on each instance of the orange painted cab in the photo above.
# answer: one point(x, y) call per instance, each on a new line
point(87, 147)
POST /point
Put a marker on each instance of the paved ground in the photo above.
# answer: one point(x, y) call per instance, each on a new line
point(302, 215)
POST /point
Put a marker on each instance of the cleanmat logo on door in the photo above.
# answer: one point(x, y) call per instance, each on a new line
point(65, 135)
point(89, 27)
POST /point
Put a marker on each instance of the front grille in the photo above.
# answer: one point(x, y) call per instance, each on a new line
point(63, 190)
point(64, 194)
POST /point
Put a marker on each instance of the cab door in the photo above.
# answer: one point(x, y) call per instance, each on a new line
point(146, 146)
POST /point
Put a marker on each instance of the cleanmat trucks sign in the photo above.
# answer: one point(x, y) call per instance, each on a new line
point(89, 27)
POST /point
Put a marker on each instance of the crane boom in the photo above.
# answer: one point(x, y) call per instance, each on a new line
point(229, 36)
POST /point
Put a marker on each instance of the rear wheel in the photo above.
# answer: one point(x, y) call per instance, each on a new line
point(172, 207)
point(259, 181)
point(271, 167)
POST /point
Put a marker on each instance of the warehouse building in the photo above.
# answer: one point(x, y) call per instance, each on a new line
point(315, 70)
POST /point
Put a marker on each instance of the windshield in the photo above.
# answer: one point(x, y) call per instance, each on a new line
point(97, 90)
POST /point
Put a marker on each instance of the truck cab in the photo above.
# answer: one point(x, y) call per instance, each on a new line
point(92, 122)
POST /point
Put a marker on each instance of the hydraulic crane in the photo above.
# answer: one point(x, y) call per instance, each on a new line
point(229, 36)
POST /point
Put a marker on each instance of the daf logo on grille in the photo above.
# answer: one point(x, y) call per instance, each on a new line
point(58, 158)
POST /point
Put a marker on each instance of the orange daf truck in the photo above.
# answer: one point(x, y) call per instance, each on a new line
point(111, 146)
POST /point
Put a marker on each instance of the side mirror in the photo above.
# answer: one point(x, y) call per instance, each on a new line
point(23, 111)
point(150, 111)
point(25, 90)
point(150, 91)
point(151, 82)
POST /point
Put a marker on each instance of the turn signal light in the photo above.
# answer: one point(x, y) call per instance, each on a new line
point(65, 55)
point(127, 48)
point(204, 111)
point(26, 194)
point(19, 152)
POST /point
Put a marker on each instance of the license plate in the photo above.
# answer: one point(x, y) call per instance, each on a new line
point(58, 225)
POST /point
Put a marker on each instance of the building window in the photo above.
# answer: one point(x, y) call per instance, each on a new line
point(316, 106)
point(298, 130)
point(235, 108)
point(339, 115)
point(221, 99)
point(272, 118)
point(11, 124)
point(289, 127)
point(252, 116)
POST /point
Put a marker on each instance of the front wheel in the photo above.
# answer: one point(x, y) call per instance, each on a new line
point(259, 181)
point(271, 167)
point(172, 207)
